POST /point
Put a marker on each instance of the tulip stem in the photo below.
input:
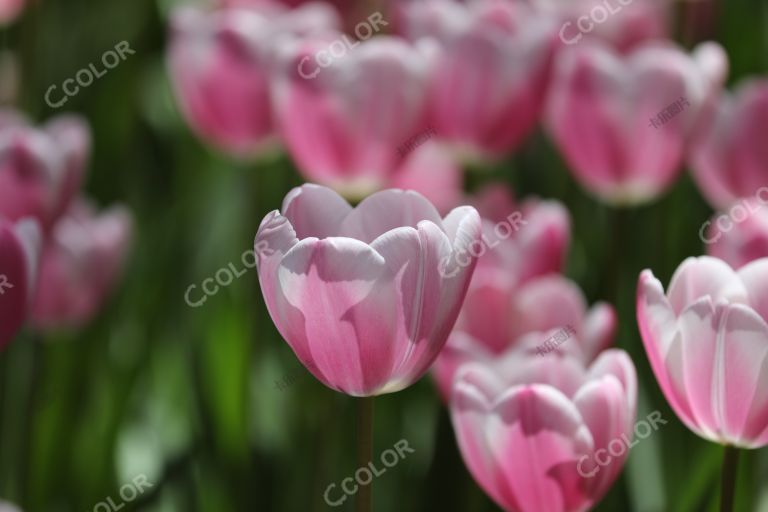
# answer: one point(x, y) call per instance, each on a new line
point(728, 489)
point(364, 449)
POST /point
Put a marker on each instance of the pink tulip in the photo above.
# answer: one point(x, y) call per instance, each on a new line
point(19, 251)
point(707, 341)
point(742, 237)
point(491, 72)
point(344, 122)
point(533, 431)
point(41, 169)
point(10, 10)
point(624, 123)
point(221, 63)
point(731, 159)
point(80, 264)
point(496, 319)
point(365, 297)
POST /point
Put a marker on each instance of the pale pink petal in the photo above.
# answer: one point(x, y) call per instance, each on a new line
point(338, 312)
point(699, 277)
point(315, 211)
point(388, 210)
point(538, 435)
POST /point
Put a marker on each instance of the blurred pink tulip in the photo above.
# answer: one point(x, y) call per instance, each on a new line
point(221, 63)
point(740, 238)
point(730, 160)
point(344, 122)
point(491, 73)
point(19, 253)
point(80, 264)
point(624, 123)
point(707, 341)
point(533, 429)
point(365, 297)
point(41, 169)
point(10, 10)
point(495, 319)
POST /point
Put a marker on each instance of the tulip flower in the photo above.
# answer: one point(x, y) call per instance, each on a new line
point(79, 266)
point(19, 252)
point(730, 160)
point(545, 314)
point(221, 62)
point(491, 72)
point(707, 341)
point(345, 112)
point(41, 169)
point(624, 123)
point(365, 296)
point(742, 236)
point(545, 433)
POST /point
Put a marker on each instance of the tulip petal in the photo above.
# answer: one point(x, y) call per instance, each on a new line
point(538, 436)
point(315, 211)
point(658, 329)
point(754, 276)
point(387, 210)
point(346, 312)
point(699, 277)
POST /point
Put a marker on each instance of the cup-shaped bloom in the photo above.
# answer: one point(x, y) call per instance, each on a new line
point(221, 62)
point(346, 108)
point(739, 236)
point(79, 266)
point(707, 341)
point(546, 314)
point(730, 159)
point(365, 296)
point(624, 123)
point(492, 66)
point(41, 169)
point(19, 252)
point(545, 433)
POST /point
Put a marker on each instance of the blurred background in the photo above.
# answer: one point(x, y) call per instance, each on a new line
point(207, 401)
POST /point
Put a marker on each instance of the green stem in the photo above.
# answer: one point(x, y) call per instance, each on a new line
point(728, 488)
point(364, 449)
